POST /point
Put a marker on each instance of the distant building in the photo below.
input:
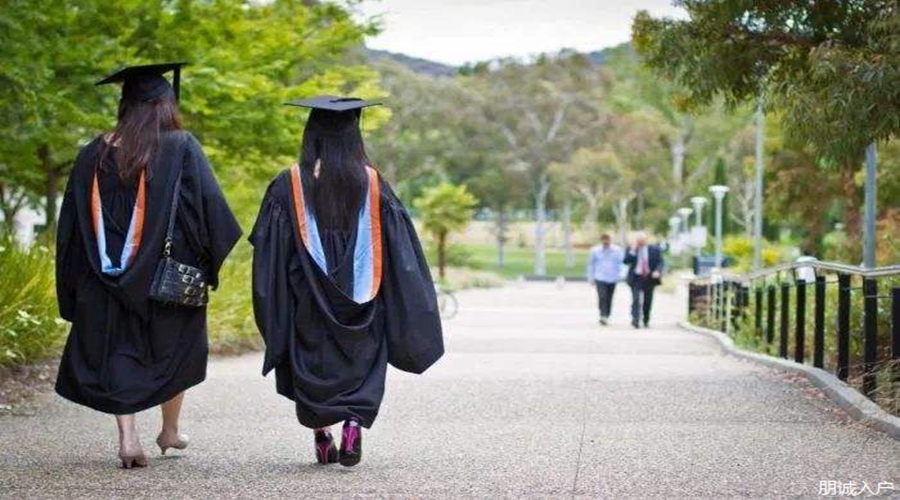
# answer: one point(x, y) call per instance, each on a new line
point(28, 223)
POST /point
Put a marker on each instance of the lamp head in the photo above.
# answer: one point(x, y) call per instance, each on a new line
point(718, 191)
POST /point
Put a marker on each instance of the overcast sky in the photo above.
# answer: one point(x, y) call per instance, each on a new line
point(459, 31)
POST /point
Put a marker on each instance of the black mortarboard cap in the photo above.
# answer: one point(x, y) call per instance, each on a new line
point(333, 103)
point(145, 83)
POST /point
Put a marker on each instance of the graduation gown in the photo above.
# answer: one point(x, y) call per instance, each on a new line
point(329, 332)
point(126, 353)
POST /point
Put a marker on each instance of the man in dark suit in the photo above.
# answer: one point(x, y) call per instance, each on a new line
point(645, 267)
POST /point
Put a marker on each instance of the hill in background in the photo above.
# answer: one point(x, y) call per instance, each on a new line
point(414, 64)
point(435, 69)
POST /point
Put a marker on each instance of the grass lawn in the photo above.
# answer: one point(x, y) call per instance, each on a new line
point(520, 261)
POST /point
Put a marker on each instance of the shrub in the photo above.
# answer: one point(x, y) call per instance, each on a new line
point(445, 208)
point(230, 316)
point(457, 255)
point(740, 248)
point(746, 336)
point(30, 327)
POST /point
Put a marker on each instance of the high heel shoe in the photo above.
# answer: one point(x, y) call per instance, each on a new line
point(326, 451)
point(351, 443)
point(133, 457)
point(179, 443)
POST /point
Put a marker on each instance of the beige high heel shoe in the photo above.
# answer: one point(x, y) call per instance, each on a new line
point(179, 443)
point(133, 457)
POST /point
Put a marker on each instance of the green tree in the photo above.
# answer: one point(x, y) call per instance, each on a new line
point(832, 67)
point(52, 52)
point(692, 139)
point(445, 208)
point(543, 111)
point(597, 177)
point(246, 59)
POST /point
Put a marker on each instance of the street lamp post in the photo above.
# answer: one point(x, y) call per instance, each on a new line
point(698, 202)
point(698, 234)
point(674, 222)
point(718, 193)
point(685, 214)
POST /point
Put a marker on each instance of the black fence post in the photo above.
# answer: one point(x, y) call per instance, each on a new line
point(758, 311)
point(895, 325)
point(721, 306)
point(843, 326)
point(770, 315)
point(800, 322)
point(725, 309)
point(723, 291)
point(895, 336)
point(690, 300)
point(745, 302)
point(819, 335)
point(785, 319)
point(870, 329)
point(714, 302)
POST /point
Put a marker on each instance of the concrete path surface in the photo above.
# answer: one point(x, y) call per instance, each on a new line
point(533, 398)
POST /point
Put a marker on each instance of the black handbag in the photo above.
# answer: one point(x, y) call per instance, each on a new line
point(174, 282)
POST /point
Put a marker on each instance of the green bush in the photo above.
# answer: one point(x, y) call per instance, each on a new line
point(838, 247)
point(30, 327)
point(746, 335)
point(457, 255)
point(230, 318)
point(740, 248)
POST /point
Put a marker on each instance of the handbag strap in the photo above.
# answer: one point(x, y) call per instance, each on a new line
point(173, 212)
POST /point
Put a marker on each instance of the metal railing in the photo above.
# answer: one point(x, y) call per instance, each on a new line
point(770, 310)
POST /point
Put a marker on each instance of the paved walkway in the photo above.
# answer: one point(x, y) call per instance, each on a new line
point(533, 398)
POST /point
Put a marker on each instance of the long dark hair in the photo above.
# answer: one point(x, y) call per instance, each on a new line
point(135, 140)
point(333, 142)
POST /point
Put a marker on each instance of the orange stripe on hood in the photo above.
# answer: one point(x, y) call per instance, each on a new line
point(299, 204)
point(375, 214)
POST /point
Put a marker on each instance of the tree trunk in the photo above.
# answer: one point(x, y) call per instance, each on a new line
point(621, 214)
point(590, 218)
point(852, 213)
point(501, 238)
point(639, 212)
point(51, 188)
point(567, 234)
point(9, 220)
point(749, 215)
point(540, 202)
point(10, 204)
point(442, 254)
point(678, 151)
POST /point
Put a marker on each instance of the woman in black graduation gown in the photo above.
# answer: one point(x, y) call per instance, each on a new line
point(340, 285)
point(125, 352)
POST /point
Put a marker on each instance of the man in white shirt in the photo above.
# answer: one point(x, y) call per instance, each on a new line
point(603, 267)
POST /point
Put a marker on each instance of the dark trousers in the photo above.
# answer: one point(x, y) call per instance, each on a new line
point(605, 293)
point(641, 298)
